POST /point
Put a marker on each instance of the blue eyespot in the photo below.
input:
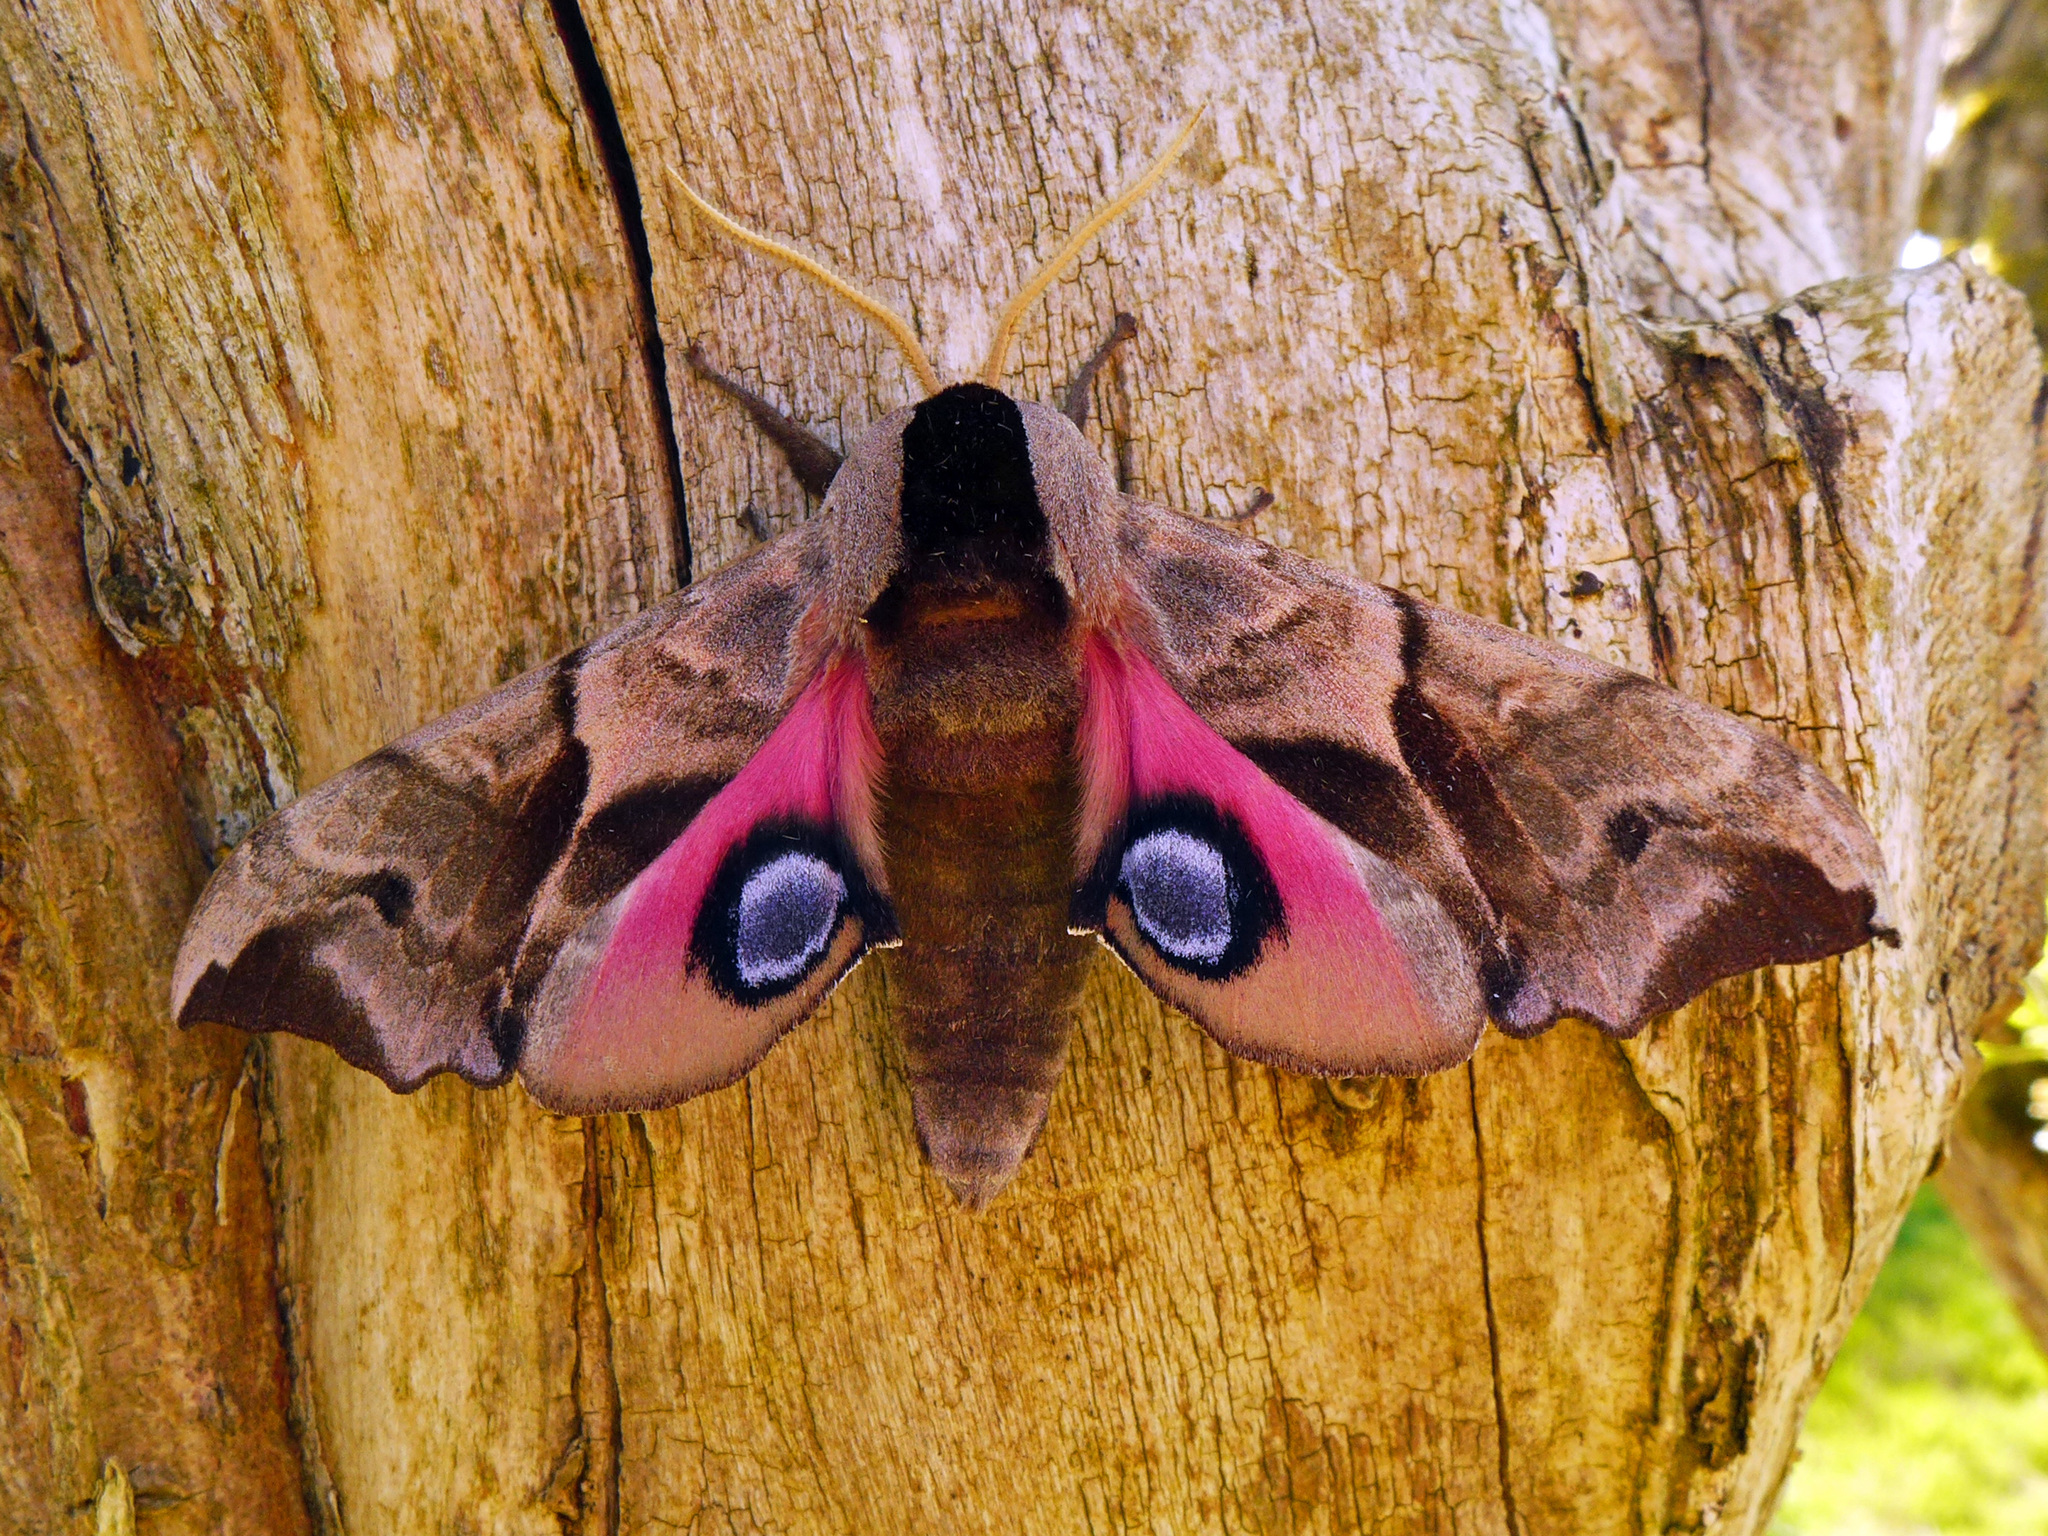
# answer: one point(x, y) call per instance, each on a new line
point(1195, 887)
point(1178, 886)
point(783, 921)
point(774, 910)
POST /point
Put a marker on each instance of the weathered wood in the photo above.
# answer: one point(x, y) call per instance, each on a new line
point(1741, 156)
point(143, 1360)
point(1451, 1306)
point(1221, 1293)
point(336, 326)
point(1401, 283)
point(1986, 191)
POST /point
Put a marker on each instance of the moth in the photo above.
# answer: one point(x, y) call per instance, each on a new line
point(985, 714)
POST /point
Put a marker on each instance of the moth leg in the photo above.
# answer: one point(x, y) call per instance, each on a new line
point(1261, 499)
point(1075, 402)
point(810, 458)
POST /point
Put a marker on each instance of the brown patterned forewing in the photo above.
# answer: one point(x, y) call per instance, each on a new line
point(1637, 845)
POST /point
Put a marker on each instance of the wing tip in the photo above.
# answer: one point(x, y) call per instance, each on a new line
point(183, 981)
point(206, 991)
point(193, 980)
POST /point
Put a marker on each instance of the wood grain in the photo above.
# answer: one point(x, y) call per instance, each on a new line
point(336, 327)
point(1582, 1286)
point(143, 1363)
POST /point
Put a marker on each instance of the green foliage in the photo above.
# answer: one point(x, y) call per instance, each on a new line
point(2028, 1024)
point(1934, 1419)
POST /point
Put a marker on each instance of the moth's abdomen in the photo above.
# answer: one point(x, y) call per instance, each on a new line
point(976, 706)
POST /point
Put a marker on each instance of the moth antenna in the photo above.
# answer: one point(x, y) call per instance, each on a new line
point(1109, 213)
point(898, 328)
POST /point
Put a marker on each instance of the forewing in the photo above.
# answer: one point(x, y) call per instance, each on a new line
point(1606, 847)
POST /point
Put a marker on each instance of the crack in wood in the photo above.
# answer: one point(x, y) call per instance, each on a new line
point(1500, 1404)
point(597, 1385)
point(610, 133)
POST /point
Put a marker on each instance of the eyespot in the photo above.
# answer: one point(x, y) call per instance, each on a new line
point(774, 911)
point(783, 922)
point(1178, 886)
point(1197, 888)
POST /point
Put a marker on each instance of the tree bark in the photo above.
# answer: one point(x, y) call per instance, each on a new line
point(336, 328)
point(1472, 288)
point(1989, 192)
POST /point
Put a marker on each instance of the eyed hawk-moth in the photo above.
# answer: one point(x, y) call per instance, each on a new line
point(987, 712)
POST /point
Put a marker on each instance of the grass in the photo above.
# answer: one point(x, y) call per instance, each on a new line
point(1934, 1418)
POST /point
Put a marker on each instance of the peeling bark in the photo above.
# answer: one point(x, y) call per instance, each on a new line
point(1418, 280)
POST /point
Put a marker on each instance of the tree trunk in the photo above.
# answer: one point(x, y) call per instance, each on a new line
point(337, 331)
point(1990, 192)
point(341, 317)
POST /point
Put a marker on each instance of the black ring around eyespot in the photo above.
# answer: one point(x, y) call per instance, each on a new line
point(714, 940)
point(1253, 901)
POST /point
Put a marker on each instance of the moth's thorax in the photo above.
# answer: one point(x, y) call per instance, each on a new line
point(967, 480)
point(970, 660)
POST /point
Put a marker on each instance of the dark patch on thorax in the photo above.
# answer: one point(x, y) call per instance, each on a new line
point(972, 526)
point(967, 478)
point(968, 649)
point(976, 699)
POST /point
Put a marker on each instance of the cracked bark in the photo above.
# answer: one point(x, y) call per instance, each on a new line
point(596, 1507)
point(595, 95)
point(387, 431)
point(1510, 1517)
point(333, 322)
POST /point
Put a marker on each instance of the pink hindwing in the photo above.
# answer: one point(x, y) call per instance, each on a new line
point(735, 932)
point(1283, 938)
